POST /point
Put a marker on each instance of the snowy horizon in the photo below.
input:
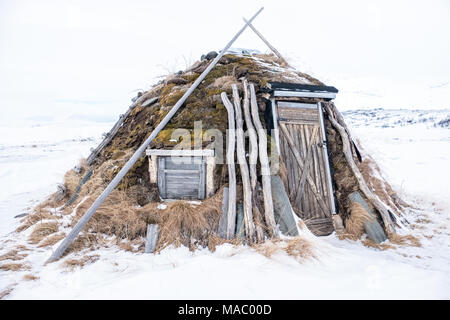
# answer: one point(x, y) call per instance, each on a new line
point(63, 58)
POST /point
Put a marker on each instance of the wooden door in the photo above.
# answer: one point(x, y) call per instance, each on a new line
point(181, 177)
point(301, 142)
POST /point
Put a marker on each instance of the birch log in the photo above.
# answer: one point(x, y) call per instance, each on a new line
point(265, 168)
point(359, 177)
point(240, 152)
point(231, 140)
point(253, 139)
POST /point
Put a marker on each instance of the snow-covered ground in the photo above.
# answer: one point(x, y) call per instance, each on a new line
point(410, 147)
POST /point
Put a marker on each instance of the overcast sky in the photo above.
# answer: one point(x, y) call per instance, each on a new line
point(67, 57)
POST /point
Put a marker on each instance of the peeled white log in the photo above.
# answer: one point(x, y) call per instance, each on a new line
point(231, 141)
point(253, 138)
point(240, 152)
point(265, 168)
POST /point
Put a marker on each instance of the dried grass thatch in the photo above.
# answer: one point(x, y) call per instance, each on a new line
point(117, 216)
point(183, 223)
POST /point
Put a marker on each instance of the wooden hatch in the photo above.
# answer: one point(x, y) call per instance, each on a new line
point(182, 174)
point(181, 177)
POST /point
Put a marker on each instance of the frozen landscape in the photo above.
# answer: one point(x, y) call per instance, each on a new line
point(412, 147)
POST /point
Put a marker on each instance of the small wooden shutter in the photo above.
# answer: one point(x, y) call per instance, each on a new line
point(181, 177)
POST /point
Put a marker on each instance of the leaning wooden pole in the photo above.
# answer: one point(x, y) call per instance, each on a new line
point(240, 152)
point(231, 142)
point(135, 157)
point(359, 177)
point(265, 168)
point(271, 47)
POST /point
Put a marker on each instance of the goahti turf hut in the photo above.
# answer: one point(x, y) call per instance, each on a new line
point(239, 147)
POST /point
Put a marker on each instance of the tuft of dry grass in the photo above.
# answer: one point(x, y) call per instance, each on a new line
point(73, 263)
point(21, 247)
point(354, 225)
point(344, 236)
point(134, 246)
point(51, 240)
point(71, 181)
point(267, 248)
point(381, 246)
point(214, 240)
point(30, 277)
point(34, 218)
point(83, 241)
point(14, 267)
point(41, 231)
point(404, 240)
point(6, 291)
point(13, 255)
point(395, 240)
point(297, 247)
point(119, 216)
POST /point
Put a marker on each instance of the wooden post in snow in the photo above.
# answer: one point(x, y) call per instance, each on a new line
point(265, 168)
point(135, 157)
point(240, 152)
point(231, 141)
